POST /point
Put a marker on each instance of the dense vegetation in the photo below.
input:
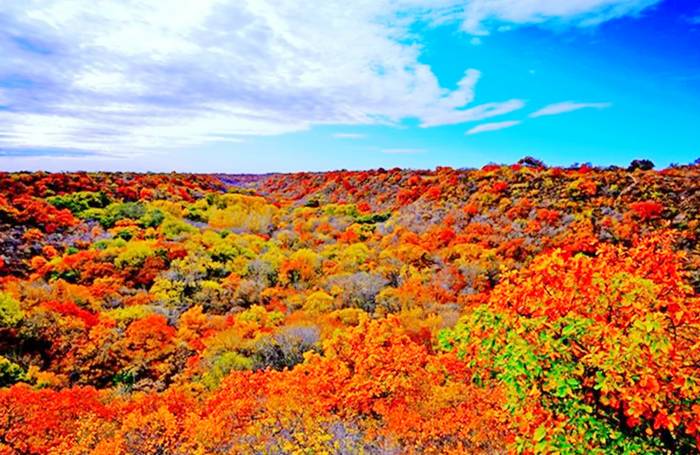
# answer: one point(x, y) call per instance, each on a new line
point(507, 309)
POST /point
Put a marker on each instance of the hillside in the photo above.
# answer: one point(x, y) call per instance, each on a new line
point(505, 309)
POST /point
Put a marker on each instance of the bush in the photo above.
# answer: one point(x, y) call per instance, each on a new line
point(109, 216)
point(134, 255)
point(644, 165)
point(602, 349)
point(285, 349)
point(80, 202)
point(647, 210)
point(223, 365)
point(358, 290)
point(10, 312)
point(119, 211)
point(373, 218)
point(10, 372)
point(152, 218)
point(531, 162)
point(174, 228)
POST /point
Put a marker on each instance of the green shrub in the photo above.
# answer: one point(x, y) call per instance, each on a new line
point(80, 202)
point(10, 312)
point(10, 372)
point(223, 365)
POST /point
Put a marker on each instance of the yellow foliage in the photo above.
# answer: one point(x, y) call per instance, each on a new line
point(318, 302)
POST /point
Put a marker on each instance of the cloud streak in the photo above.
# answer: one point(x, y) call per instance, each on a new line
point(567, 106)
point(480, 16)
point(494, 126)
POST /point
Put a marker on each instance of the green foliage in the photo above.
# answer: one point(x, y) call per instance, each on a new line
point(125, 378)
point(224, 251)
point(599, 348)
point(109, 244)
point(10, 372)
point(137, 211)
point(373, 218)
point(125, 235)
point(222, 365)
point(174, 228)
point(119, 211)
point(10, 312)
point(152, 218)
point(349, 210)
point(80, 202)
point(135, 254)
point(534, 359)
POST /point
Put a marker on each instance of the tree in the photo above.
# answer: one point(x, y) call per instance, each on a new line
point(595, 352)
point(532, 162)
point(643, 165)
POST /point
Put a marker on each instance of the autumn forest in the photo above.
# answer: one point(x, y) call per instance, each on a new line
point(508, 309)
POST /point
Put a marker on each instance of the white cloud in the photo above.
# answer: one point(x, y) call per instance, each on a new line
point(495, 126)
point(107, 82)
point(479, 15)
point(474, 114)
point(130, 76)
point(567, 106)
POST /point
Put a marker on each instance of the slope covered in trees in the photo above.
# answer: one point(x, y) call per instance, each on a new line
point(506, 309)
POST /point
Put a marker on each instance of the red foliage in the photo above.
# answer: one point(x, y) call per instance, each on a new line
point(44, 421)
point(548, 216)
point(72, 310)
point(433, 193)
point(499, 187)
point(406, 196)
point(39, 213)
point(647, 210)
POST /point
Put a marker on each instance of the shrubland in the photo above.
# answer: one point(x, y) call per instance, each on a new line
point(518, 308)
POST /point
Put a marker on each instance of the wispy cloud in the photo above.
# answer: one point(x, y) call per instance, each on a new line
point(474, 114)
point(567, 106)
point(480, 16)
point(128, 77)
point(349, 136)
point(46, 153)
point(131, 76)
point(494, 126)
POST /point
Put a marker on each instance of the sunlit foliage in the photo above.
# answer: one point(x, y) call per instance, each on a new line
point(509, 309)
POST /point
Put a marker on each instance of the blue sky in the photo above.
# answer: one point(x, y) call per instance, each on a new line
point(263, 85)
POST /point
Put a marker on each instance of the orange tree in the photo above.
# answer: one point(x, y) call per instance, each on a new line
point(598, 354)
